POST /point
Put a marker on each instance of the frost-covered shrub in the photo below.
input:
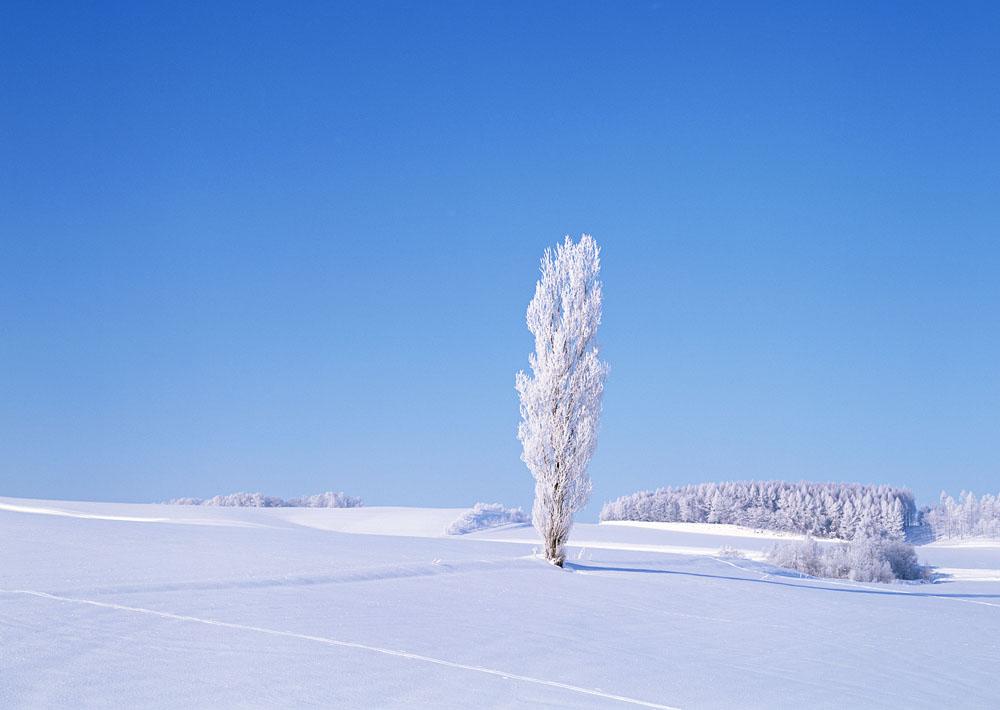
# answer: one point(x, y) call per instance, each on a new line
point(902, 558)
point(486, 515)
point(840, 510)
point(729, 552)
point(259, 500)
point(865, 559)
point(802, 556)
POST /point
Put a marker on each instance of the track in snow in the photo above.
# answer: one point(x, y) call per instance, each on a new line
point(345, 644)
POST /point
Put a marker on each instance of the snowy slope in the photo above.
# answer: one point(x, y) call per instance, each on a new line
point(672, 538)
point(168, 606)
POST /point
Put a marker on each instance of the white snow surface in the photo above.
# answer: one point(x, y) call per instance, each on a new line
point(155, 606)
point(710, 529)
point(967, 542)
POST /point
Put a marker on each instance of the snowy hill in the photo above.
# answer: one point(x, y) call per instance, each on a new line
point(124, 605)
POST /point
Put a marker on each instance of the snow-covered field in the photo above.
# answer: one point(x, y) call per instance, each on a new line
point(119, 605)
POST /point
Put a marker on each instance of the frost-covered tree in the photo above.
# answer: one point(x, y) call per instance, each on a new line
point(969, 516)
point(561, 398)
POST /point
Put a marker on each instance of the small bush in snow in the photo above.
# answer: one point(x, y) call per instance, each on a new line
point(801, 556)
point(864, 559)
point(486, 515)
point(902, 558)
point(866, 562)
point(259, 500)
point(729, 552)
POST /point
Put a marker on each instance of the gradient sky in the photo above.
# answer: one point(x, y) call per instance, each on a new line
point(288, 247)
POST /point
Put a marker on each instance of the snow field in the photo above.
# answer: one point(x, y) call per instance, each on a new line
point(101, 612)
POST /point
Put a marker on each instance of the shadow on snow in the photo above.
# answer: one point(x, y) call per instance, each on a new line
point(847, 590)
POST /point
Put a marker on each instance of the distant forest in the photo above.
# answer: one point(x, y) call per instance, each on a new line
point(829, 510)
point(968, 516)
point(259, 500)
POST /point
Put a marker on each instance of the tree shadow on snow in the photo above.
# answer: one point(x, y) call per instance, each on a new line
point(809, 582)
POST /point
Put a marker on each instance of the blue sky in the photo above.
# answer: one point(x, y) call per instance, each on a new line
point(289, 249)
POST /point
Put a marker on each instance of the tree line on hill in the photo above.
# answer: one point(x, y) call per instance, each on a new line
point(968, 516)
point(829, 510)
point(259, 500)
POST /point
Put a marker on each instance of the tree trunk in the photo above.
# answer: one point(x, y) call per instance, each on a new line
point(553, 549)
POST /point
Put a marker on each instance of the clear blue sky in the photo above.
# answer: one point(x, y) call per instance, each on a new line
point(288, 247)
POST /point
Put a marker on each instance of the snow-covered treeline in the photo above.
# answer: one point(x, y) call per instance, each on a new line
point(233, 500)
point(326, 500)
point(486, 515)
point(864, 559)
point(837, 510)
point(259, 500)
point(968, 516)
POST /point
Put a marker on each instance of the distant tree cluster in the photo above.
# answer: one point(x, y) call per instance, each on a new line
point(968, 516)
point(864, 559)
point(328, 499)
point(259, 500)
point(483, 516)
point(832, 510)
